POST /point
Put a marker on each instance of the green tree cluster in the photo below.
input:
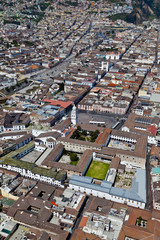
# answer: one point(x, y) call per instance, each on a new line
point(94, 135)
point(73, 157)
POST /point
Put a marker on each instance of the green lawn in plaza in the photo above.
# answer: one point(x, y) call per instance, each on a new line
point(98, 170)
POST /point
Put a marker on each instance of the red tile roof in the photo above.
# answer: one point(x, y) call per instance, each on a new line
point(152, 129)
point(58, 103)
point(83, 222)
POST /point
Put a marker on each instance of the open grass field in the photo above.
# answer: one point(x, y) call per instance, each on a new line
point(97, 170)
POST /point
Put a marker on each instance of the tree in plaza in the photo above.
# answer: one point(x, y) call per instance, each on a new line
point(79, 128)
point(73, 157)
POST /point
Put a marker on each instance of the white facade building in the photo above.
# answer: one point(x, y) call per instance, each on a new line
point(74, 115)
point(136, 197)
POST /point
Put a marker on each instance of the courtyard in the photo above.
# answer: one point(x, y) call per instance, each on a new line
point(31, 157)
point(124, 180)
point(83, 135)
point(70, 157)
point(98, 170)
point(121, 145)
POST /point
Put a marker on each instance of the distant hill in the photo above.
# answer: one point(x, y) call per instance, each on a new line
point(155, 6)
point(146, 9)
point(142, 10)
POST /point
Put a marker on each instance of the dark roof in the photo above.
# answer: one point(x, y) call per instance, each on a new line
point(35, 209)
point(13, 133)
point(68, 167)
point(11, 119)
point(49, 160)
point(25, 137)
point(75, 141)
point(62, 125)
point(115, 163)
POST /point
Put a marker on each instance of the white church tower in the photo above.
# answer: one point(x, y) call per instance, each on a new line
point(74, 115)
point(105, 66)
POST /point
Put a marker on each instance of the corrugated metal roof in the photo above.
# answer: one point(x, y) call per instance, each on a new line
point(156, 170)
point(137, 192)
point(82, 178)
point(90, 186)
point(123, 193)
point(140, 183)
point(106, 184)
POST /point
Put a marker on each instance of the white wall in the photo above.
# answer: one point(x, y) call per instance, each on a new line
point(107, 196)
